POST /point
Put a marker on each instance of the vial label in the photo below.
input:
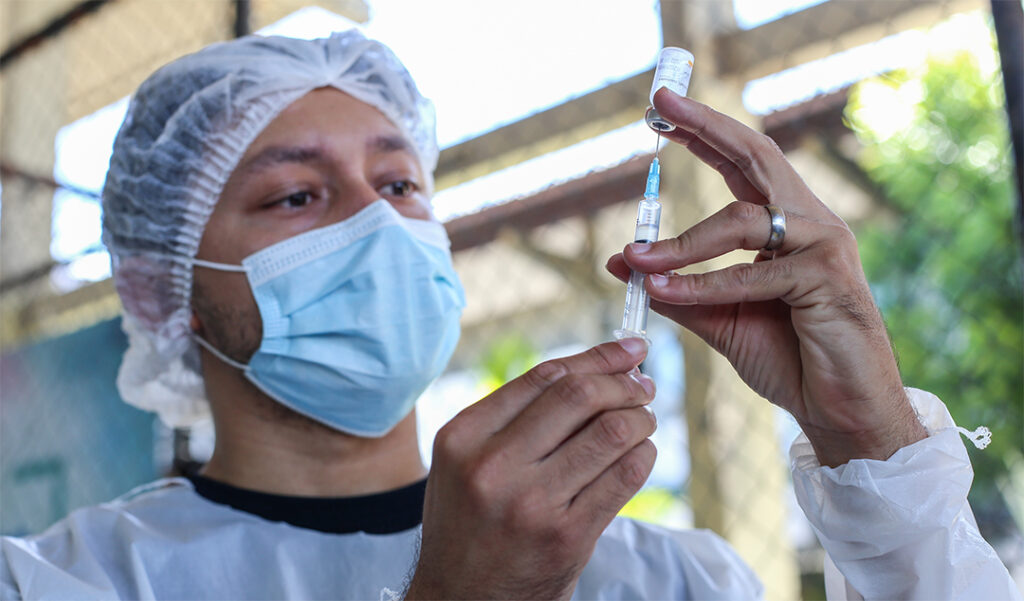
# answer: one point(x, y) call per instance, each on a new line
point(675, 66)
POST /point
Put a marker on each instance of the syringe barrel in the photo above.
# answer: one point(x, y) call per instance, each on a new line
point(638, 304)
point(634, 315)
point(648, 220)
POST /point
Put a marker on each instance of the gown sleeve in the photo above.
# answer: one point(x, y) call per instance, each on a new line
point(8, 590)
point(901, 528)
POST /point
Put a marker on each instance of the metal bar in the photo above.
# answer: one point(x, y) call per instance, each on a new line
point(821, 115)
point(32, 275)
point(50, 30)
point(8, 170)
point(823, 30)
point(1008, 17)
point(628, 94)
point(42, 271)
point(577, 197)
point(765, 48)
point(243, 14)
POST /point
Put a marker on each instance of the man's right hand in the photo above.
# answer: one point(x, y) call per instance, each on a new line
point(524, 482)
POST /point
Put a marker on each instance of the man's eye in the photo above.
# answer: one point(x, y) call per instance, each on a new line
point(400, 188)
point(295, 201)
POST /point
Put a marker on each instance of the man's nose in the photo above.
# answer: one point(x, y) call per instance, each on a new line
point(352, 197)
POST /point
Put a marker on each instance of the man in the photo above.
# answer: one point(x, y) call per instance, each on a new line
point(267, 211)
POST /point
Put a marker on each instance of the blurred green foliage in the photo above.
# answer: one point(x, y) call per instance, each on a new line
point(653, 504)
point(506, 359)
point(942, 257)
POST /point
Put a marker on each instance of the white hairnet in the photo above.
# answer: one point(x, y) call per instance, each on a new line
point(187, 127)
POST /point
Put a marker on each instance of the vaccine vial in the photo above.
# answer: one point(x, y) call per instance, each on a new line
point(675, 66)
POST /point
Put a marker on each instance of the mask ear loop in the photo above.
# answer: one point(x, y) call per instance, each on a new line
point(219, 266)
point(206, 345)
point(199, 339)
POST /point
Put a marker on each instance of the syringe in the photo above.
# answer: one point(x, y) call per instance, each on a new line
point(648, 219)
point(673, 72)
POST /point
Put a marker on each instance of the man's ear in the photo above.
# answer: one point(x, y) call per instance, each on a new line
point(195, 324)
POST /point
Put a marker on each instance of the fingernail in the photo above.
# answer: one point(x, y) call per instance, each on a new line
point(639, 247)
point(658, 280)
point(633, 346)
point(646, 382)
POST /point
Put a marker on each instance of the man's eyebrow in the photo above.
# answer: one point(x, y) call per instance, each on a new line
point(283, 154)
point(309, 154)
point(389, 143)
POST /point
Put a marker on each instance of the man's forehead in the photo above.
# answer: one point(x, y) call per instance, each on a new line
point(328, 119)
point(318, 151)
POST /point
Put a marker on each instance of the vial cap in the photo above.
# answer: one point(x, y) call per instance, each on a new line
point(657, 122)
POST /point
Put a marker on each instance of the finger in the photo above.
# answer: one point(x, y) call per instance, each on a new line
point(734, 177)
point(746, 282)
point(495, 411)
point(603, 498)
point(703, 320)
point(754, 154)
point(567, 406)
point(739, 225)
point(617, 266)
point(588, 453)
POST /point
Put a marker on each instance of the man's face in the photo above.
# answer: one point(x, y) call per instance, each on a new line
point(322, 160)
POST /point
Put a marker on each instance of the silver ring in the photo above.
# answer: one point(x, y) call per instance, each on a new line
point(778, 233)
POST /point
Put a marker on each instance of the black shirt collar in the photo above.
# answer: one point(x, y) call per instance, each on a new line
point(380, 513)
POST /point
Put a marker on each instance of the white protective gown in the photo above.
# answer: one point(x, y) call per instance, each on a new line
point(899, 528)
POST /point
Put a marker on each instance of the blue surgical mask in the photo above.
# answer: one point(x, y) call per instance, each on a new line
point(358, 318)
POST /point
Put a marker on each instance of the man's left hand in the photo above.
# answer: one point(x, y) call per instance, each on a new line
point(799, 323)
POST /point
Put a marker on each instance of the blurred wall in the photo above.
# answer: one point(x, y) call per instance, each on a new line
point(66, 438)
